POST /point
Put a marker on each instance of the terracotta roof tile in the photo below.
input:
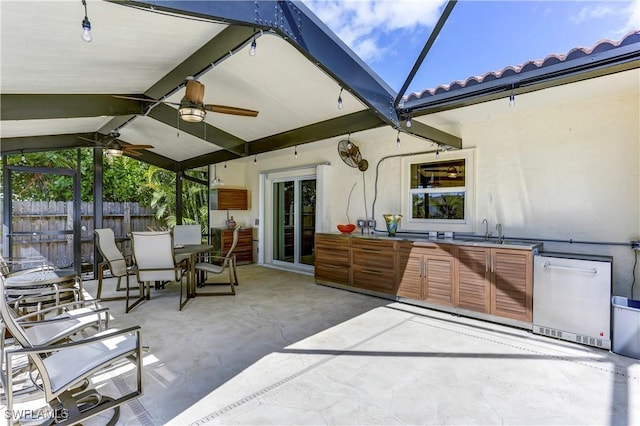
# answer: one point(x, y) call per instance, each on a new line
point(532, 65)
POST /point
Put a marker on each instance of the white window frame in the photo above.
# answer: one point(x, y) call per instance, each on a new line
point(440, 225)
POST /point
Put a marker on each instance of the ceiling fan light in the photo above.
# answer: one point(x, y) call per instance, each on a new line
point(192, 114)
point(114, 152)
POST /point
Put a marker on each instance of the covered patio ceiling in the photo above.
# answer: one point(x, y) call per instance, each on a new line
point(57, 91)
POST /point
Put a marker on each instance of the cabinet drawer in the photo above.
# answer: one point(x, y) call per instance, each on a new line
point(373, 245)
point(427, 247)
point(332, 273)
point(377, 259)
point(335, 256)
point(331, 241)
point(374, 279)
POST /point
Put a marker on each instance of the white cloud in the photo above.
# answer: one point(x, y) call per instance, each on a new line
point(634, 17)
point(362, 24)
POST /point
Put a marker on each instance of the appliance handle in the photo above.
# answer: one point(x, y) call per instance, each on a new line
point(565, 268)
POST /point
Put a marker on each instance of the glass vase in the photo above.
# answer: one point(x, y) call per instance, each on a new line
point(392, 221)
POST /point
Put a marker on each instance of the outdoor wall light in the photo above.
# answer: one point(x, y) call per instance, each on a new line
point(340, 104)
point(86, 25)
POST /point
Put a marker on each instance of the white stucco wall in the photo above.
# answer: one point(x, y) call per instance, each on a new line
point(565, 170)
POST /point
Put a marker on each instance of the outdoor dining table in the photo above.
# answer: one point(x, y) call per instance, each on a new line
point(50, 287)
point(191, 252)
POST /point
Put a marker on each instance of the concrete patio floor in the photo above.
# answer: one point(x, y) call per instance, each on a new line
point(285, 351)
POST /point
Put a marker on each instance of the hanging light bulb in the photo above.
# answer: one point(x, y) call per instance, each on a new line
point(438, 152)
point(255, 160)
point(398, 139)
point(512, 98)
point(225, 164)
point(23, 159)
point(408, 123)
point(252, 49)
point(86, 25)
point(340, 104)
point(295, 152)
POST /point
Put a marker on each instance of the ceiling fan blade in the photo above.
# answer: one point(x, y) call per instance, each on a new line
point(133, 98)
point(132, 153)
point(223, 109)
point(133, 147)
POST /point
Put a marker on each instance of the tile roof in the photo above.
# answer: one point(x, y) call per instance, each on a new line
point(508, 71)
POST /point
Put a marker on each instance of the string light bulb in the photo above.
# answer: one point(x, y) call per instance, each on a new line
point(225, 164)
point(340, 104)
point(255, 160)
point(295, 152)
point(86, 25)
point(23, 159)
point(512, 98)
point(398, 139)
point(408, 122)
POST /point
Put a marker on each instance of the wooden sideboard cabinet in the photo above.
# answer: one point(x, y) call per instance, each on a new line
point(229, 199)
point(222, 238)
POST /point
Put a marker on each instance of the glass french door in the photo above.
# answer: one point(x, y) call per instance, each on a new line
point(294, 215)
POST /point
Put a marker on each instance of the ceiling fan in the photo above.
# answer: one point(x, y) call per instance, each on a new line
point(115, 147)
point(192, 107)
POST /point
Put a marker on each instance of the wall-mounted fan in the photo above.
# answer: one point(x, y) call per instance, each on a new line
point(115, 147)
point(192, 107)
point(350, 154)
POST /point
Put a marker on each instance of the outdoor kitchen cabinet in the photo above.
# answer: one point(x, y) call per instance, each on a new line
point(512, 284)
point(495, 281)
point(229, 199)
point(473, 279)
point(373, 265)
point(333, 259)
point(222, 238)
point(426, 272)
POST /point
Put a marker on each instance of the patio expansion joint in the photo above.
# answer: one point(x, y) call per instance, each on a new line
point(226, 409)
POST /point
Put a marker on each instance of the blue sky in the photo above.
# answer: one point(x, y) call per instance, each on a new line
point(479, 36)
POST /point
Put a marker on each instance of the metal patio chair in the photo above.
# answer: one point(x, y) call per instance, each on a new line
point(154, 261)
point(217, 265)
point(116, 262)
point(62, 371)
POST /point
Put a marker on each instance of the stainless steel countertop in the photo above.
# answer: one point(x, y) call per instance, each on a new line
point(461, 241)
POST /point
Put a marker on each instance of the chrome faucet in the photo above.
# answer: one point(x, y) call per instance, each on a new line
point(500, 236)
point(487, 234)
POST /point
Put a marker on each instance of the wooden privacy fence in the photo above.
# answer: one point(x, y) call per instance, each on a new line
point(36, 226)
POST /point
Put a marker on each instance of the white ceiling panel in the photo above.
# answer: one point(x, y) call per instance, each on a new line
point(167, 141)
point(288, 90)
point(62, 126)
point(42, 51)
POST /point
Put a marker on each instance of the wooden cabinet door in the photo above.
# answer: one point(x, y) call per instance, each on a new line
point(438, 279)
point(473, 286)
point(409, 274)
point(512, 284)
